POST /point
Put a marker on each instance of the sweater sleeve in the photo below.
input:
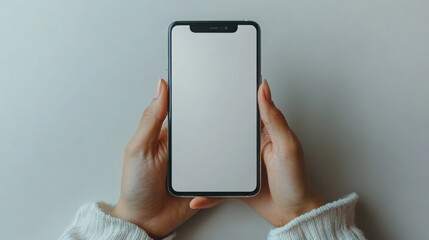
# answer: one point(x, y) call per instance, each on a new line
point(93, 221)
point(334, 220)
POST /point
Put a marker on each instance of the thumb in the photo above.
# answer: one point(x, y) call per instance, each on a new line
point(272, 118)
point(203, 202)
point(153, 116)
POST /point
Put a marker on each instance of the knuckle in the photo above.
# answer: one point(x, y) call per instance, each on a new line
point(276, 116)
point(290, 147)
point(130, 149)
point(293, 148)
point(151, 113)
point(148, 113)
point(133, 150)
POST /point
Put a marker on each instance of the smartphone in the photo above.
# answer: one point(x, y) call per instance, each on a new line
point(213, 116)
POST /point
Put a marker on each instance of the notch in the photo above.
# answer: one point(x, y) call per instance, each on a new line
point(214, 27)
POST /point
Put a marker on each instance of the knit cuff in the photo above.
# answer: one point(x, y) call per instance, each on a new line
point(332, 221)
point(93, 221)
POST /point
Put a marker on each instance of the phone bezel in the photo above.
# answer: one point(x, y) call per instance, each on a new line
point(258, 82)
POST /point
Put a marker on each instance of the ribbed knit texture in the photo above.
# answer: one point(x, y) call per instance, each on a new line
point(332, 221)
point(94, 222)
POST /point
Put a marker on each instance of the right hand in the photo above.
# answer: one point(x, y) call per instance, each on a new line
point(285, 189)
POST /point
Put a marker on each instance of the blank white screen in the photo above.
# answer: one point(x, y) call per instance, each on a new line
point(214, 110)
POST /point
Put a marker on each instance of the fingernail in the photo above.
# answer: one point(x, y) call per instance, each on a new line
point(267, 91)
point(158, 89)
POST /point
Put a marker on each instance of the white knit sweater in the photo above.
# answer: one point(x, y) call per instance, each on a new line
point(332, 221)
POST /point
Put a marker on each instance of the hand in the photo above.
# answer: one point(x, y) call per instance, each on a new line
point(144, 198)
point(285, 189)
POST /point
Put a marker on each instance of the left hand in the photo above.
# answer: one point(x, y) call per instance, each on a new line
point(145, 200)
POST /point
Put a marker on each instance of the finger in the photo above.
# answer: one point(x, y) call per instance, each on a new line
point(151, 121)
point(265, 138)
point(165, 124)
point(272, 118)
point(164, 127)
point(203, 202)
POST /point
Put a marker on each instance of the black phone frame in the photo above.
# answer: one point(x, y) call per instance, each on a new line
point(204, 26)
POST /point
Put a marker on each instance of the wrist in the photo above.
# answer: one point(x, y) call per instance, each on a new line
point(293, 212)
point(122, 212)
point(151, 226)
point(312, 203)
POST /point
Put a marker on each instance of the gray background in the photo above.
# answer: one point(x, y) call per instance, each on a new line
point(351, 77)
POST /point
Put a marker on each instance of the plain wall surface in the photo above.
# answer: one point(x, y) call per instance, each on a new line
point(350, 76)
